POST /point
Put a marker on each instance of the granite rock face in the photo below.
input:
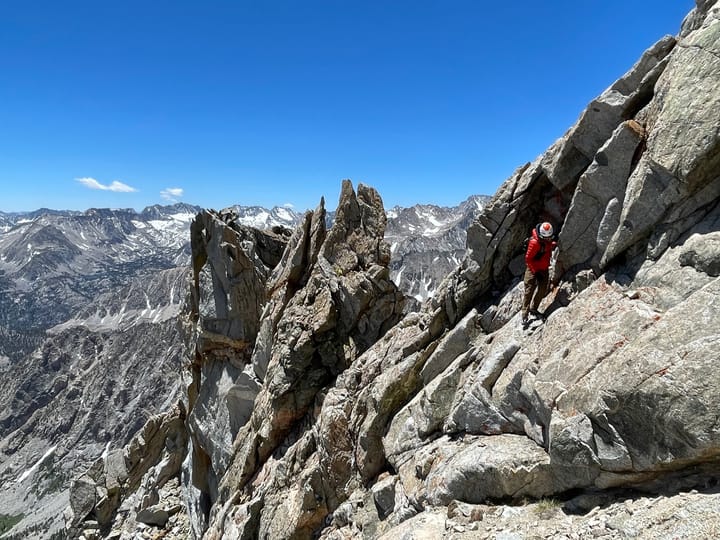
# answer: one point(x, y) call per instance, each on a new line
point(457, 403)
point(122, 487)
point(274, 317)
point(321, 413)
point(331, 299)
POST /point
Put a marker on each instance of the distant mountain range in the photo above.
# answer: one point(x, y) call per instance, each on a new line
point(427, 242)
point(53, 263)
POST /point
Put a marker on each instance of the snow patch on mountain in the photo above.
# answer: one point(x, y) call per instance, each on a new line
point(426, 243)
point(36, 465)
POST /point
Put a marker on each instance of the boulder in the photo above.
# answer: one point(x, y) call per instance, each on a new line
point(384, 496)
point(82, 498)
point(702, 252)
point(154, 515)
point(486, 468)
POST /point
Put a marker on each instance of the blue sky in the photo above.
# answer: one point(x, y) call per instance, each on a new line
point(128, 104)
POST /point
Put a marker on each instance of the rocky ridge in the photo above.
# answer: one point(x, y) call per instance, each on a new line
point(84, 308)
point(89, 344)
point(324, 417)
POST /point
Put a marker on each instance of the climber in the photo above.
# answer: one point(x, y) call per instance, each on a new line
point(537, 275)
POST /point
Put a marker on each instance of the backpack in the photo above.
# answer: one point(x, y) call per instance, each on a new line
point(539, 254)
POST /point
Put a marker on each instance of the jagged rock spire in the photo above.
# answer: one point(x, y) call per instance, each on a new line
point(345, 423)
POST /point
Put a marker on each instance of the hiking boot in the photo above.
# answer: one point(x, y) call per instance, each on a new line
point(536, 313)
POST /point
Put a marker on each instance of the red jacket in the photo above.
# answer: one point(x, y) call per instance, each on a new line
point(536, 262)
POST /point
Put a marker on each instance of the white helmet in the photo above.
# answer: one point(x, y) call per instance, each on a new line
point(545, 230)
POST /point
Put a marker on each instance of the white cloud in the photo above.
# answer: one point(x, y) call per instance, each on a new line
point(115, 186)
point(172, 194)
point(288, 205)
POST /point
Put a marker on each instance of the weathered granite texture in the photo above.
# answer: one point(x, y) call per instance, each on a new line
point(319, 414)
